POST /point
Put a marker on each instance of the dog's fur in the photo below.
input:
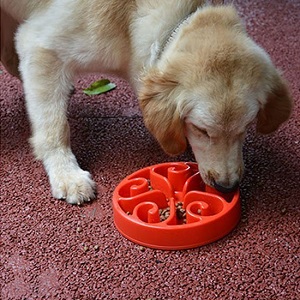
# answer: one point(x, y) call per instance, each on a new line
point(198, 76)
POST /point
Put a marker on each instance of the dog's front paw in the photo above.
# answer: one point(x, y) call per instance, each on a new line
point(75, 186)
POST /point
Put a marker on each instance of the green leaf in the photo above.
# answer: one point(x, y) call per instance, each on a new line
point(99, 87)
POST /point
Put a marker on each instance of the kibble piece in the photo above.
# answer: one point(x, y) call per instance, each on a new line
point(149, 185)
point(180, 212)
point(142, 248)
point(164, 213)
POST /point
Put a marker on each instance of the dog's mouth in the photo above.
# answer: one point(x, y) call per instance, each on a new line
point(225, 189)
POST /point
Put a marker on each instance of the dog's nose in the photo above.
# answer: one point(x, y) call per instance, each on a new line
point(225, 189)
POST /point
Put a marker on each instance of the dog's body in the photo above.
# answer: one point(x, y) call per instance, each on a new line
point(197, 74)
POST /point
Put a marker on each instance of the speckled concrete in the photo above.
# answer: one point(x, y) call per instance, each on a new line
point(51, 250)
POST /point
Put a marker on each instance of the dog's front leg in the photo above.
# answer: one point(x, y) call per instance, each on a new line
point(47, 83)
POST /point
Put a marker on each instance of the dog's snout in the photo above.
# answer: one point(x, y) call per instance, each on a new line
point(224, 188)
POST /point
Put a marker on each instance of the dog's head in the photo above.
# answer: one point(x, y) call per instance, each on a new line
point(210, 83)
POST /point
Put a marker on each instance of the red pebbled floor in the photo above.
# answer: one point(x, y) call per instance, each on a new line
point(51, 250)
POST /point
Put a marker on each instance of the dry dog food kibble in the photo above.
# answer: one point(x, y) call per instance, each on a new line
point(149, 185)
point(164, 214)
point(180, 212)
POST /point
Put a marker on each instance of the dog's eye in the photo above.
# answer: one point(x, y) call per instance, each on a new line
point(201, 131)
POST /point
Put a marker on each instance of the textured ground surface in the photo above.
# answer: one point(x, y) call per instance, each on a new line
point(43, 252)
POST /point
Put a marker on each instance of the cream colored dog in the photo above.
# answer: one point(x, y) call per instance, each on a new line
point(198, 76)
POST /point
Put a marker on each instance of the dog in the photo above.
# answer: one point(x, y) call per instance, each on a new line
point(200, 79)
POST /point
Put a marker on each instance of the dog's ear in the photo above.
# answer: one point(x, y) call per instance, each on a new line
point(160, 111)
point(278, 106)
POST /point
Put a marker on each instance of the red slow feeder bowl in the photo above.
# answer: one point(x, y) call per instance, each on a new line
point(168, 206)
